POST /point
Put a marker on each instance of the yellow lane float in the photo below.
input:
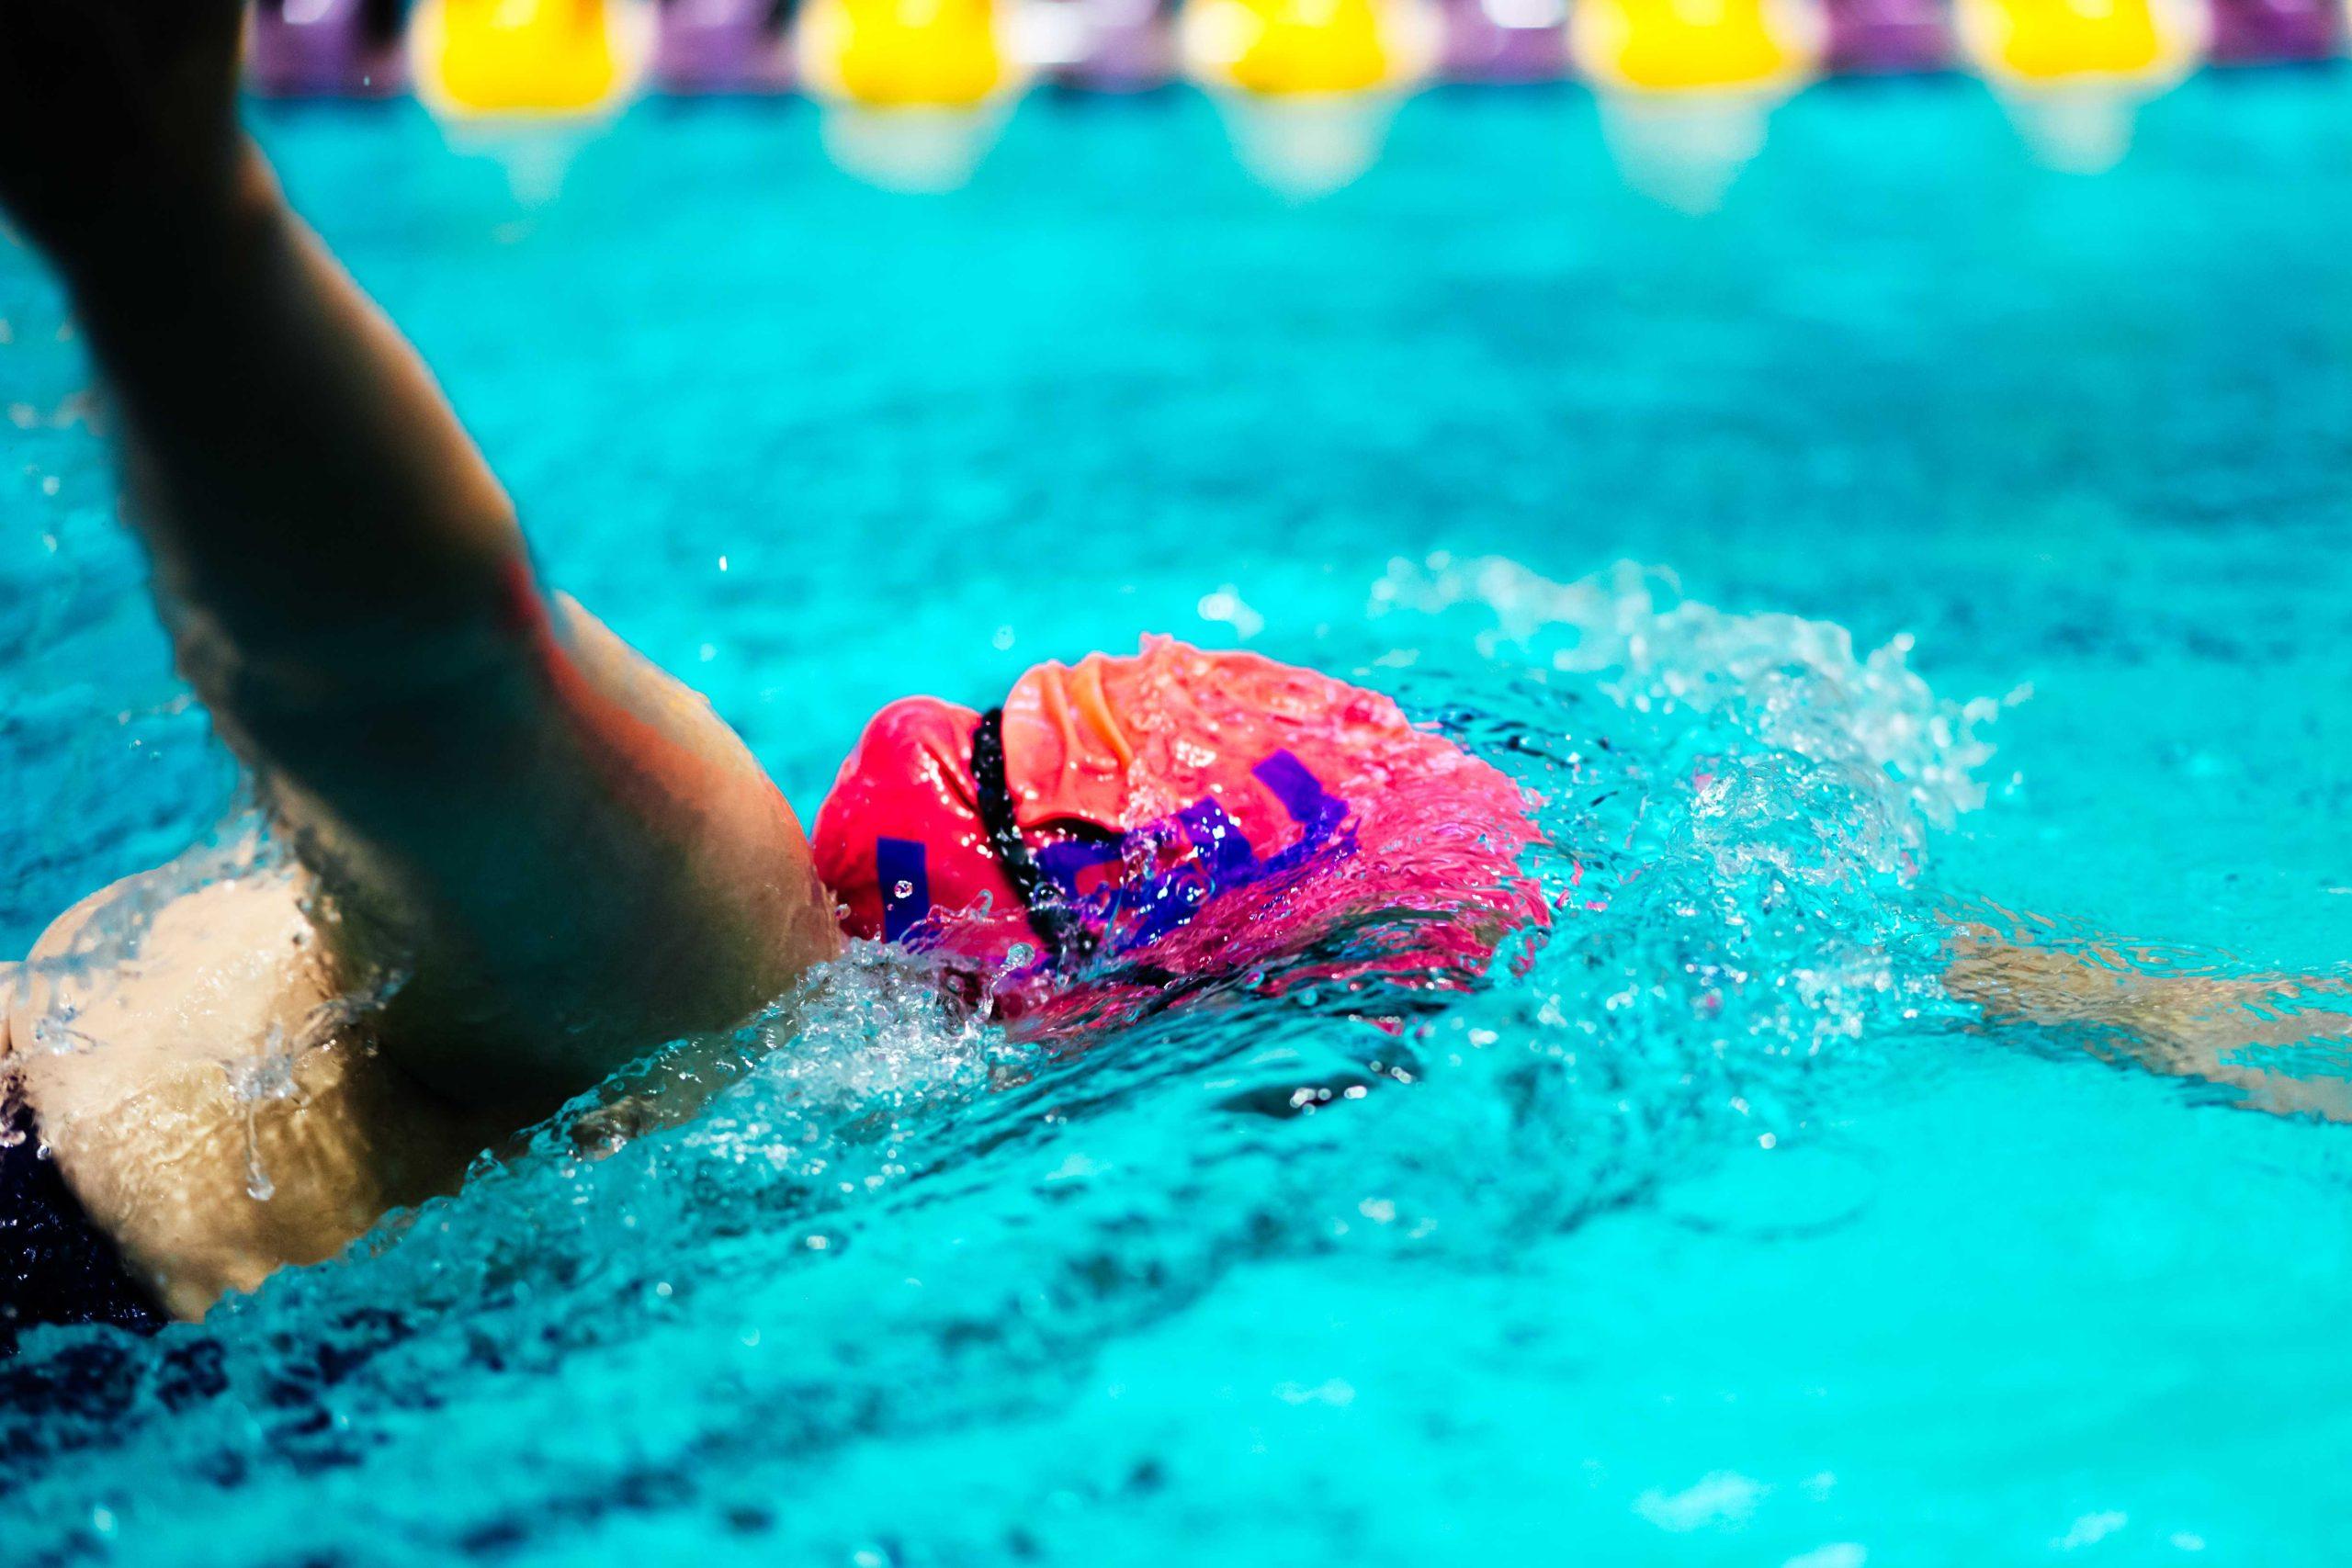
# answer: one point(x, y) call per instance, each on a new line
point(2071, 74)
point(1307, 87)
point(914, 91)
point(936, 55)
point(2024, 42)
point(1678, 46)
point(494, 57)
point(1687, 87)
point(1290, 48)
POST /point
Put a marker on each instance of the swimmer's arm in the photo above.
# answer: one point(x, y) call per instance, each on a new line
point(2179, 1025)
point(301, 480)
point(569, 855)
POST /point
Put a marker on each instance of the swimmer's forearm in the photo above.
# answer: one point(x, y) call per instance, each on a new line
point(2178, 1025)
point(305, 489)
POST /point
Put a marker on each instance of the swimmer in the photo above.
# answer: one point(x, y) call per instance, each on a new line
point(521, 856)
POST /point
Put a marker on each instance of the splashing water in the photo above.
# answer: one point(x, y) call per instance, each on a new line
point(1794, 685)
point(895, 1229)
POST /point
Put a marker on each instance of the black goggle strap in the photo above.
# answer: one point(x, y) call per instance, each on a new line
point(1065, 936)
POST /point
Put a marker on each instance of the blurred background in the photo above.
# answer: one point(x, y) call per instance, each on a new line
point(916, 89)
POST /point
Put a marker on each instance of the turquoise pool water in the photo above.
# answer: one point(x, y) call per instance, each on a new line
point(1710, 1233)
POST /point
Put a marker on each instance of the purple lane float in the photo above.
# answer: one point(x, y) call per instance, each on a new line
point(1504, 40)
point(1889, 38)
point(723, 46)
point(1101, 46)
point(2265, 32)
point(328, 49)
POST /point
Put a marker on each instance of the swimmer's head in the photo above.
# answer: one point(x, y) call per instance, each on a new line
point(1200, 806)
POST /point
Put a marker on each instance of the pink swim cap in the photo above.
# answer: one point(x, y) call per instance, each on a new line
point(1193, 810)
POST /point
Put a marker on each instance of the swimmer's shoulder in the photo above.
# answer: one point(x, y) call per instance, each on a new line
point(181, 1043)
